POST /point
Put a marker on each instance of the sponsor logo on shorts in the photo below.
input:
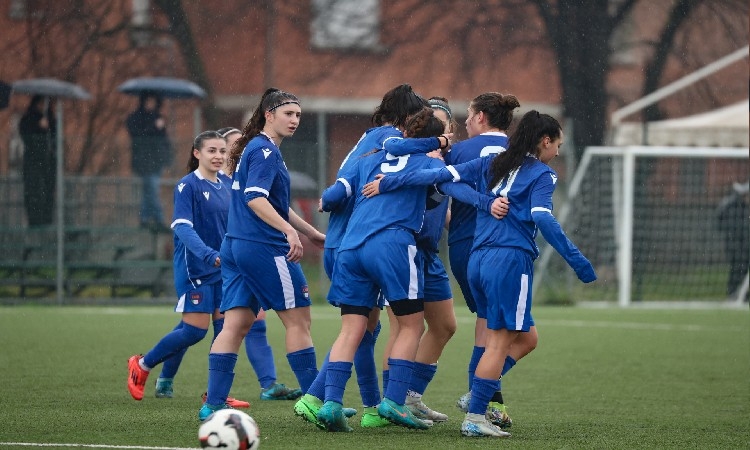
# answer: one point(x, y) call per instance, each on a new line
point(306, 292)
point(196, 297)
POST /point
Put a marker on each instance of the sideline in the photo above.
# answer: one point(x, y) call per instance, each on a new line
point(137, 447)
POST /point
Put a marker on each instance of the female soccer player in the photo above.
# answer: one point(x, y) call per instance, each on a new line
point(259, 352)
point(489, 117)
point(378, 255)
point(201, 203)
point(389, 118)
point(261, 251)
point(500, 269)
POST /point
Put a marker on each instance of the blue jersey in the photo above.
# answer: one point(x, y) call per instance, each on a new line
point(463, 216)
point(261, 172)
point(429, 236)
point(529, 189)
point(200, 221)
point(399, 209)
point(372, 139)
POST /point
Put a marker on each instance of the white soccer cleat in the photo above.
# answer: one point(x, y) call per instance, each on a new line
point(463, 402)
point(421, 411)
point(476, 425)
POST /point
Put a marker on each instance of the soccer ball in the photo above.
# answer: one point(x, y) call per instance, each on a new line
point(229, 429)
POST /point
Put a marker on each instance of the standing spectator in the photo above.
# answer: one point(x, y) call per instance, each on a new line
point(38, 132)
point(734, 224)
point(151, 153)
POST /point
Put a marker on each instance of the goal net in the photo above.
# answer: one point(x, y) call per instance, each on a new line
point(658, 223)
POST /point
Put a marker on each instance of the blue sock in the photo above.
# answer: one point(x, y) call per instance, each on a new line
point(220, 377)
point(337, 374)
point(170, 365)
point(482, 391)
point(398, 379)
point(260, 354)
point(421, 377)
point(476, 355)
point(509, 363)
point(304, 366)
point(176, 340)
point(386, 375)
point(318, 386)
point(367, 373)
point(218, 326)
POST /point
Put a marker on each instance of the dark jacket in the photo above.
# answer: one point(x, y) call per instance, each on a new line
point(150, 145)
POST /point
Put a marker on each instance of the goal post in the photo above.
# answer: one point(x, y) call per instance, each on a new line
point(647, 218)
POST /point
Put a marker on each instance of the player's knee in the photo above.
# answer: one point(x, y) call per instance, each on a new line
point(192, 334)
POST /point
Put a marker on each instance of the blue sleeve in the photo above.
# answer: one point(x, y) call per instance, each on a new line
point(398, 146)
point(195, 244)
point(422, 177)
point(335, 194)
point(466, 194)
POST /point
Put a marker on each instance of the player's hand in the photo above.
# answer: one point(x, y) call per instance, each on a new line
point(295, 247)
point(372, 188)
point(320, 205)
point(318, 239)
point(436, 154)
point(217, 263)
point(499, 208)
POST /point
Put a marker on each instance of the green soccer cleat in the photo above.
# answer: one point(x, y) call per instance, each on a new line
point(400, 415)
point(476, 425)
point(206, 410)
point(307, 407)
point(278, 391)
point(497, 414)
point(164, 388)
point(371, 418)
point(331, 415)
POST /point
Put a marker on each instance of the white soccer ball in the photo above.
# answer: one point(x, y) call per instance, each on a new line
point(229, 429)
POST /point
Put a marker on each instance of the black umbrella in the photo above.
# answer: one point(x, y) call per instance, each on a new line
point(51, 87)
point(162, 86)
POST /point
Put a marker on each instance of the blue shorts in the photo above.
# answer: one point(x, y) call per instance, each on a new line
point(437, 285)
point(386, 263)
point(329, 260)
point(256, 275)
point(501, 280)
point(458, 254)
point(206, 298)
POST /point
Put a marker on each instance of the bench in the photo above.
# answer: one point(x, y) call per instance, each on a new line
point(126, 261)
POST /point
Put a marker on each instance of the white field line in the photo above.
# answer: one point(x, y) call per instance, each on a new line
point(138, 447)
point(332, 314)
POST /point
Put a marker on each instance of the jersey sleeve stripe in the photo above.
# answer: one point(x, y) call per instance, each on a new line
point(347, 186)
point(179, 221)
point(454, 172)
point(540, 209)
point(257, 189)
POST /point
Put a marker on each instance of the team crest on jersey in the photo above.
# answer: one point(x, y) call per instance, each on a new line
point(554, 178)
point(180, 187)
point(205, 194)
point(266, 152)
point(196, 298)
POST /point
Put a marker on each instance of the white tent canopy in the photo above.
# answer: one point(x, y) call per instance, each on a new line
point(723, 127)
